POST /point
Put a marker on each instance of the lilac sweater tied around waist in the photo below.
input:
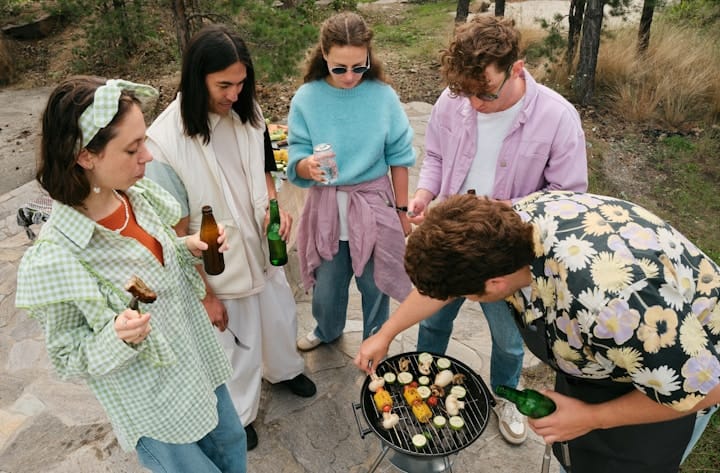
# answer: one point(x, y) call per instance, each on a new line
point(374, 232)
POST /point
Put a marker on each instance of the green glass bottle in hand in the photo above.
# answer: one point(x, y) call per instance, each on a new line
point(278, 249)
point(529, 402)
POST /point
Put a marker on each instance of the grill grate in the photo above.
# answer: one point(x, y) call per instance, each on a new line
point(441, 441)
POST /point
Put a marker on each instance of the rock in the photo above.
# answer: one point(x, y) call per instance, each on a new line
point(57, 439)
point(35, 29)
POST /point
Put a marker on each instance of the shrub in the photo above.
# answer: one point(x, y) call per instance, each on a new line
point(278, 37)
point(673, 84)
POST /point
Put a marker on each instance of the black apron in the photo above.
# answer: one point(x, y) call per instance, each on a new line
point(645, 448)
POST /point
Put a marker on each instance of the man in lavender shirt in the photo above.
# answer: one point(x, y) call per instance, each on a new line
point(495, 131)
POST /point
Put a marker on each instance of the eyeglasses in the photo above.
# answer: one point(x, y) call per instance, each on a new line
point(340, 70)
point(496, 95)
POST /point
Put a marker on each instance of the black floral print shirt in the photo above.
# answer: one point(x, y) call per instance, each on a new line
point(625, 296)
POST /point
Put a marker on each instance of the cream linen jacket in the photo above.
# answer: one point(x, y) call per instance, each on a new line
point(196, 165)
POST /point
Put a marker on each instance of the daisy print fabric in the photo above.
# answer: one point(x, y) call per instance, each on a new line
point(625, 296)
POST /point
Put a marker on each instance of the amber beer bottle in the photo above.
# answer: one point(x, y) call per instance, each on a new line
point(529, 402)
point(212, 258)
point(278, 249)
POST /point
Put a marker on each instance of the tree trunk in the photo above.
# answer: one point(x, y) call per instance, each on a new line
point(575, 19)
point(500, 8)
point(126, 41)
point(195, 21)
point(645, 24)
point(182, 32)
point(463, 10)
point(584, 84)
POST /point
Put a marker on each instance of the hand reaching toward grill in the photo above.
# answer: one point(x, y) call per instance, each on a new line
point(414, 308)
point(371, 352)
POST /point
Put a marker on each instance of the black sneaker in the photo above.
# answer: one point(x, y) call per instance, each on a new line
point(301, 386)
point(252, 439)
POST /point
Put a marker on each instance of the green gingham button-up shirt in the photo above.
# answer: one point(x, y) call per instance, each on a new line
point(71, 280)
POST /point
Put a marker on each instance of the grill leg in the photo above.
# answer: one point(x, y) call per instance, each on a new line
point(379, 459)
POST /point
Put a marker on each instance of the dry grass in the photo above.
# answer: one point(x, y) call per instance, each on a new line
point(674, 83)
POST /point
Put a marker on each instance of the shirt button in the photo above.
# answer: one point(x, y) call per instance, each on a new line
point(503, 164)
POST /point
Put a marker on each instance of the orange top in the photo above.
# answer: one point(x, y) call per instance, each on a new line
point(117, 219)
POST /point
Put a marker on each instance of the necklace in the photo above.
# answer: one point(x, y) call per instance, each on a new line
point(127, 211)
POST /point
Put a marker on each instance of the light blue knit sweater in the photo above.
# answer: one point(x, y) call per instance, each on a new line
point(366, 126)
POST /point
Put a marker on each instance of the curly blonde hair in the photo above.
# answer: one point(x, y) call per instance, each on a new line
point(483, 41)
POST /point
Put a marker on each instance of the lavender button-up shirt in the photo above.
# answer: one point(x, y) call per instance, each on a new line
point(544, 149)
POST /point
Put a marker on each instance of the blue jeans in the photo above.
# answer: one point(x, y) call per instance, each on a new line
point(507, 344)
point(222, 450)
point(330, 296)
point(700, 424)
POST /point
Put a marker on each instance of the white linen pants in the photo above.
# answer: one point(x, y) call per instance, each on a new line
point(267, 323)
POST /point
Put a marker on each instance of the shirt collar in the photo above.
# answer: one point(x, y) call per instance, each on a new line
point(214, 118)
point(77, 227)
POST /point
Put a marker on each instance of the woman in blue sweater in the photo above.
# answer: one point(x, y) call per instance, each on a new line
point(357, 225)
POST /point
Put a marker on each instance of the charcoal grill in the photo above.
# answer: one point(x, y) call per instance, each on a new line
point(443, 443)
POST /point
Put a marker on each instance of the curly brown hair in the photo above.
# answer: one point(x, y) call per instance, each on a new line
point(484, 41)
point(463, 242)
point(342, 29)
point(58, 171)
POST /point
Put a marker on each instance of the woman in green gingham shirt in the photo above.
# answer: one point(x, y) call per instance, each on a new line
point(158, 372)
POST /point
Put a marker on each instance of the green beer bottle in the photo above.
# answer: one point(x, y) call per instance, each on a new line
point(278, 249)
point(529, 402)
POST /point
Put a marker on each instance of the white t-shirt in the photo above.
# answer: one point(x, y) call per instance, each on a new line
point(492, 128)
point(225, 146)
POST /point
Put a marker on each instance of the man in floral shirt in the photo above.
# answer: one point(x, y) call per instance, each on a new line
point(618, 302)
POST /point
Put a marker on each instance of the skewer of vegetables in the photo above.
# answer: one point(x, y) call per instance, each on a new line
point(390, 420)
point(382, 399)
point(411, 394)
point(421, 411)
point(376, 382)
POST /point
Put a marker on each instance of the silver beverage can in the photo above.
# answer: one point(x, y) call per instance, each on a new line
point(326, 157)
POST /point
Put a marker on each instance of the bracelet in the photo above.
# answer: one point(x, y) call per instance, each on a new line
point(401, 209)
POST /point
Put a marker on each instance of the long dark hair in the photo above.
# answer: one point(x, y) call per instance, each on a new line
point(342, 29)
point(58, 171)
point(214, 48)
